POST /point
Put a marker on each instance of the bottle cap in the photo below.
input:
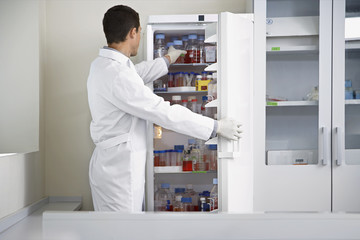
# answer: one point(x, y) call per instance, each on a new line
point(156, 152)
point(165, 185)
point(179, 147)
point(162, 151)
point(209, 77)
point(185, 38)
point(178, 198)
point(215, 181)
point(194, 100)
point(204, 72)
point(192, 36)
point(201, 37)
point(179, 190)
point(174, 38)
point(212, 147)
point(176, 98)
point(178, 150)
point(178, 42)
point(169, 44)
point(191, 141)
point(199, 77)
point(191, 97)
point(184, 100)
point(204, 98)
point(186, 200)
point(189, 186)
point(160, 36)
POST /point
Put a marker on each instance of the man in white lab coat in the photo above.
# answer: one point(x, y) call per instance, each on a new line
point(120, 105)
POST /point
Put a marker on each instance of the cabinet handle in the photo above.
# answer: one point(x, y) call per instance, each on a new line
point(323, 146)
point(338, 146)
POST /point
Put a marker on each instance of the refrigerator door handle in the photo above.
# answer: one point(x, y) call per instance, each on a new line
point(338, 146)
point(233, 154)
point(323, 146)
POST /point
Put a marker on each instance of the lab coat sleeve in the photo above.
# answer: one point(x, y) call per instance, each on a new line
point(131, 95)
point(151, 70)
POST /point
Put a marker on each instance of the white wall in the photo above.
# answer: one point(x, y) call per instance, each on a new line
point(73, 38)
point(22, 176)
point(19, 76)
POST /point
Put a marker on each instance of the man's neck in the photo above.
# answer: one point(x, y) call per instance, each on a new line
point(121, 47)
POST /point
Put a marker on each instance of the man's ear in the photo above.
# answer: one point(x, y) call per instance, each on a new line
point(132, 33)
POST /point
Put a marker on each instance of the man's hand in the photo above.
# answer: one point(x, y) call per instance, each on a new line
point(229, 128)
point(173, 54)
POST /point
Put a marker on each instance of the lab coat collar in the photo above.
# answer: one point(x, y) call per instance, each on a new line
point(114, 54)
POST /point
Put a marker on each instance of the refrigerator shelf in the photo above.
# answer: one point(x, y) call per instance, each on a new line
point(189, 65)
point(183, 92)
point(159, 170)
point(352, 102)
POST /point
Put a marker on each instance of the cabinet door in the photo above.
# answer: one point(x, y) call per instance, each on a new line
point(235, 88)
point(346, 106)
point(295, 171)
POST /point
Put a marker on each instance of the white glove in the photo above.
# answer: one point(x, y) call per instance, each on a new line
point(229, 128)
point(174, 54)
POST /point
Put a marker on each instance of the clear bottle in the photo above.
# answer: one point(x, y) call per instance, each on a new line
point(212, 88)
point(159, 45)
point(187, 203)
point(171, 81)
point(156, 158)
point(193, 105)
point(204, 110)
point(186, 162)
point(189, 192)
point(201, 49)
point(179, 192)
point(192, 50)
point(198, 78)
point(176, 99)
point(178, 155)
point(185, 39)
point(162, 162)
point(214, 195)
point(178, 206)
point(163, 198)
point(184, 102)
point(212, 157)
point(178, 44)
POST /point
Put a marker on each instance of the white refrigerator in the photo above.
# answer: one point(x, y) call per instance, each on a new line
point(232, 34)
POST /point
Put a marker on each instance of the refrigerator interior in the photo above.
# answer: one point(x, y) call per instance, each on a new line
point(202, 180)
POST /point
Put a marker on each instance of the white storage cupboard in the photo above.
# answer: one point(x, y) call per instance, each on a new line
point(308, 151)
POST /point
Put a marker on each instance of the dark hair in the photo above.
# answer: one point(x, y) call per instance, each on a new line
point(118, 21)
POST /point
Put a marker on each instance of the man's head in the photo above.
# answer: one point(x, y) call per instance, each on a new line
point(121, 24)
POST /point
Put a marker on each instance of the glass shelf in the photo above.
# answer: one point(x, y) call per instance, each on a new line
point(182, 92)
point(291, 103)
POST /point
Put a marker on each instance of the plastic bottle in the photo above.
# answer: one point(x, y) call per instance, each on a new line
point(179, 79)
point(198, 78)
point(163, 198)
point(203, 204)
point(179, 192)
point(205, 111)
point(204, 75)
point(189, 192)
point(178, 44)
point(201, 49)
point(162, 161)
point(168, 157)
point(176, 99)
point(214, 195)
point(178, 157)
point(159, 46)
point(178, 206)
point(192, 50)
point(186, 162)
point(184, 102)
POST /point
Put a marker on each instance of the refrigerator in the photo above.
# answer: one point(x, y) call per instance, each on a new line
point(232, 34)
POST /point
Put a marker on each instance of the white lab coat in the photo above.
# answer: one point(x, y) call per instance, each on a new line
point(120, 104)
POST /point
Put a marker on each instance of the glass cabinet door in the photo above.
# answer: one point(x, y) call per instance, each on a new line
point(346, 102)
point(296, 172)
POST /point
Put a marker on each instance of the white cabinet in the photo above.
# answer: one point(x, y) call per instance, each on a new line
point(305, 128)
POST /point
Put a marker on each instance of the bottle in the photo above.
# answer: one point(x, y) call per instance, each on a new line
point(187, 163)
point(162, 161)
point(171, 82)
point(178, 44)
point(178, 206)
point(195, 158)
point(169, 44)
point(159, 46)
point(178, 157)
point(163, 198)
point(203, 204)
point(212, 88)
point(187, 202)
point(198, 78)
point(192, 49)
point(185, 40)
point(179, 79)
point(193, 105)
point(184, 102)
point(204, 110)
point(201, 49)
point(176, 99)
point(179, 192)
point(189, 192)
point(204, 75)
point(214, 195)
point(212, 156)
point(156, 158)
